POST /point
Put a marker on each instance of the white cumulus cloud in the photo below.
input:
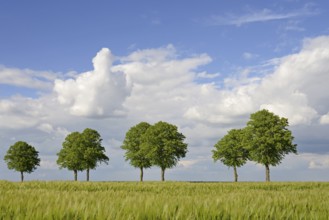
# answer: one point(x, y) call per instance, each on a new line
point(20, 112)
point(162, 84)
point(296, 89)
point(316, 161)
point(324, 119)
point(97, 93)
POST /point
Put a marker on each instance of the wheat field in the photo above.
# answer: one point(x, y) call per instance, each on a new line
point(163, 200)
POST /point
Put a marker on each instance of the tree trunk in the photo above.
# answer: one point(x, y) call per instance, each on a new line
point(267, 168)
point(75, 175)
point(235, 174)
point(141, 174)
point(163, 174)
point(22, 176)
point(87, 174)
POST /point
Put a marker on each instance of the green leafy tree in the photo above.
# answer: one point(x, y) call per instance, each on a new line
point(134, 152)
point(72, 154)
point(230, 150)
point(269, 139)
point(22, 157)
point(164, 145)
point(93, 151)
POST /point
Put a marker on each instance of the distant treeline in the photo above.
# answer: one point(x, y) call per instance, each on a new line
point(265, 140)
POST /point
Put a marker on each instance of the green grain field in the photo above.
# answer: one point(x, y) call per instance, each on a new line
point(163, 200)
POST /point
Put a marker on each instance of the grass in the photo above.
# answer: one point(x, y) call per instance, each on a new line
point(163, 200)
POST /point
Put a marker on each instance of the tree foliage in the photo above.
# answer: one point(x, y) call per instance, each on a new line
point(230, 150)
point(93, 151)
point(82, 151)
point(22, 157)
point(164, 145)
point(132, 145)
point(71, 155)
point(269, 139)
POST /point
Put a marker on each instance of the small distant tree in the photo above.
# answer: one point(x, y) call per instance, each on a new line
point(269, 139)
point(132, 145)
point(22, 157)
point(72, 154)
point(164, 145)
point(93, 151)
point(230, 150)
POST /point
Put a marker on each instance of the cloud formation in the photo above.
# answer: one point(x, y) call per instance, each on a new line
point(324, 119)
point(297, 89)
point(262, 15)
point(316, 161)
point(27, 78)
point(20, 112)
point(97, 93)
point(162, 84)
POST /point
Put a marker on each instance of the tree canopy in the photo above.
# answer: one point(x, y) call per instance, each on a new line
point(269, 139)
point(93, 152)
point(82, 151)
point(164, 145)
point(71, 155)
point(22, 157)
point(132, 145)
point(230, 150)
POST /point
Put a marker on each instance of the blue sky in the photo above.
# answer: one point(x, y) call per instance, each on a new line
point(64, 35)
point(204, 66)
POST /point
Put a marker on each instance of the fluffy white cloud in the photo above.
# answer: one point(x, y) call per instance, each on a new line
point(316, 161)
point(97, 93)
point(49, 129)
point(324, 119)
point(160, 66)
point(300, 83)
point(19, 112)
point(162, 84)
point(45, 127)
point(164, 87)
point(155, 84)
point(297, 89)
point(220, 106)
point(27, 78)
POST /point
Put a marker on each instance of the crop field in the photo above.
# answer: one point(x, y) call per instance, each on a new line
point(163, 200)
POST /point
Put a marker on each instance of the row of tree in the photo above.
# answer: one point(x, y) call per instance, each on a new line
point(146, 145)
point(82, 151)
point(160, 145)
point(265, 140)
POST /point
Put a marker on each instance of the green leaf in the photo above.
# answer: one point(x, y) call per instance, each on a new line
point(22, 157)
